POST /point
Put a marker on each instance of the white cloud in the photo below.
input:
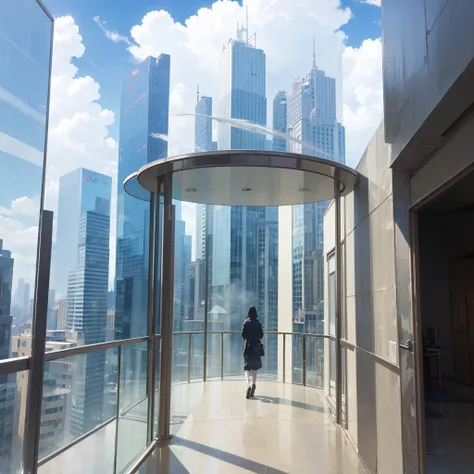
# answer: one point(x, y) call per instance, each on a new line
point(376, 3)
point(110, 34)
point(363, 96)
point(78, 126)
point(284, 29)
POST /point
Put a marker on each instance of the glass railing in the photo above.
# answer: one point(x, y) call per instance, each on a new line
point(96, 414)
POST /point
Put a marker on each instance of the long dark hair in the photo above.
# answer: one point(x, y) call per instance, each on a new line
point(252, 313)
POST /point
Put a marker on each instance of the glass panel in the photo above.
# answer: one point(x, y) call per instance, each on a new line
point(184, 395)
point(25, 50)
point(315, 361)
point(215, 357)
point(79, 394)
point(297, 347)
point(13, 391)
point(132, 422)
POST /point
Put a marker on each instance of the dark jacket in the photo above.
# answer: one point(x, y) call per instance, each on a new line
point(252, 330)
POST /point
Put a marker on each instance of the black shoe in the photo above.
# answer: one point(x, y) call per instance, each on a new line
point(249, 391)
point(252, 391)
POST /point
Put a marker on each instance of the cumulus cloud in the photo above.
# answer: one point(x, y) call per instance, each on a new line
point(284, 30)
point(78, 125)
point(376, 3)
point(363, 99)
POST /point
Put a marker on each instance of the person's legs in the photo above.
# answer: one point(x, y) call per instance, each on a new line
point(247, 377)
point(254, 384)
point(247, 381)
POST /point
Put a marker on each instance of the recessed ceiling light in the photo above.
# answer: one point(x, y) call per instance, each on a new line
point(304, 190)
point(191, 190)
point(246, 190)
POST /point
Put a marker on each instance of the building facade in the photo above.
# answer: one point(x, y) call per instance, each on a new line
point(280, 120)
point(143, 119)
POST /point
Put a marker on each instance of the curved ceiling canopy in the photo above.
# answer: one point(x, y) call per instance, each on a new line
point(245, 178)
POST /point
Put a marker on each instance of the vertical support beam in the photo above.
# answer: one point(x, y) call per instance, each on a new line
point(284, 356)
point(222, 356)
point(150, 380)
point(190, 348)
point(36, 372)
point(338, 305)
point(206, 293)
point(167, 312)
point(303, 365)
point(117, 409)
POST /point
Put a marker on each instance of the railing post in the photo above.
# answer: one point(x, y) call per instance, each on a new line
point(338, 302)
point(284, 357)
point(167, 312)
point(189, 356)
point(36, 374)
point(117, 409)
point(304, 360)
point(222, 356)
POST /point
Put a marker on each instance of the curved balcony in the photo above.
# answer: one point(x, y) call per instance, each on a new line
point(287, 427)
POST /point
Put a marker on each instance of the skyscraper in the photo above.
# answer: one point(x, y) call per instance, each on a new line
point(203, 125)
point(87, 317)
point(239, 234)
point(280, 112)
point(202, 142)
point(143, 119)
point(242, 94)
point(7, 382)
point(80, 191)
point(312, 121)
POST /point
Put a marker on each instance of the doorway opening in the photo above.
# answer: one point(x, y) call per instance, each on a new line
point(446, 290)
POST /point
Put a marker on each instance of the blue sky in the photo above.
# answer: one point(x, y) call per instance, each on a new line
point(105, 60)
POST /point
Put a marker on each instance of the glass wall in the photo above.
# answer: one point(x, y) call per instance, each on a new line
point(25, 52)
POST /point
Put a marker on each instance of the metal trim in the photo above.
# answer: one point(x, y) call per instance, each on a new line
point(133, 469)
point(75, 351)
point(36, 372)
point(338, 302)
point(56, 453)
point(47, 12)
point(12, 366)
point(345, 176)
point(382, 360)
point(206, 295)
point(150, 380)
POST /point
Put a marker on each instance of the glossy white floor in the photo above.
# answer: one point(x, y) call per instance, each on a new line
point(284, 429)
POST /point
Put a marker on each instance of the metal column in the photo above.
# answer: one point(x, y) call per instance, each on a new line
point(36, 373)
point(206, 293)
point(150, 390)
point(167, 299)
point(338, 305)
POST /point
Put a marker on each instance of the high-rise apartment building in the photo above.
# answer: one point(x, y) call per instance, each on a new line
point(280, 113)
point(143, 119)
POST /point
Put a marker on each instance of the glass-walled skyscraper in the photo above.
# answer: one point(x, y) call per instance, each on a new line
point(280, 119)
point(244, 240)
point(312, 122)
point(80, 191)
point(143, 121)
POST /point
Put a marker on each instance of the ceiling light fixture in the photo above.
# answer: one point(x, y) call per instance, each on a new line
point(191, 190)
point(246, 190)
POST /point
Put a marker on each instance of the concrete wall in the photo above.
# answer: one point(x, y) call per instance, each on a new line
point(428, 50)
point(372, 376)
point(439, 243)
